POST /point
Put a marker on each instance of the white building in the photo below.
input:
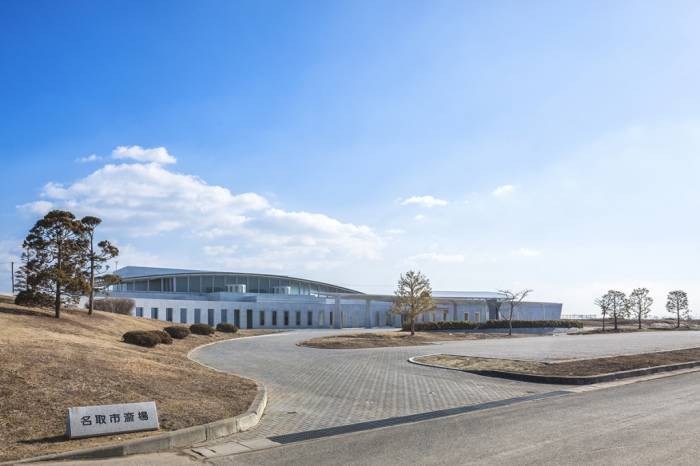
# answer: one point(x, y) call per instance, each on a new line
point(273, 301)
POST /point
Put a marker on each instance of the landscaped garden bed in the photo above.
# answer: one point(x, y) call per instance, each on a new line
point(569, 368)
point(391, 339)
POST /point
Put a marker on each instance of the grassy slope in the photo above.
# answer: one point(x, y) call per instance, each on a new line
point(48, 365)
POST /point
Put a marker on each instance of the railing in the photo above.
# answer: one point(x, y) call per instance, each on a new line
point(579, 317)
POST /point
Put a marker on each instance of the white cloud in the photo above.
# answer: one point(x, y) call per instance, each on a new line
point(141, 200)
point(504, 190)
point(437, 258)
point(138, 153)
point(395, 231)
point(89, 158)
point(419, 218)
point(424, 201)
point(526, 252)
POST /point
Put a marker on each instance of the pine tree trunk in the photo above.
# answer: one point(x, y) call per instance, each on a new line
point(57, 302)
point(615, 321)
point(413, 326)
point(640, 321)
point(678, 319)
point(92, 280)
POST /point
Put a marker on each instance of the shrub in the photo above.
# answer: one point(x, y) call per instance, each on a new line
point(201, 329)
point(145, 338)
point(122, 306)
point(32, 299)
point(226, 328)
point(164, 337)
point(178, 331)
point(468, 325)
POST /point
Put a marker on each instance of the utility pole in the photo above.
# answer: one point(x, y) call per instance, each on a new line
point(12, 279)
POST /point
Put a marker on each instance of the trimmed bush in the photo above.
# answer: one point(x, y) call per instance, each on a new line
point(468, 325)
point(164, 337)
point(226, 328)
point(201, 329)
point(142, 338)
point(122, 306)
point(32, 299)
point(177, 332)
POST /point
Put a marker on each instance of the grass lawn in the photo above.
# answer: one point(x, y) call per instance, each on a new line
point(576, 367)
point(390, 339)
point(48, 365)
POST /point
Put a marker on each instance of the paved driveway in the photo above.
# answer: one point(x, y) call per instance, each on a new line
point(314, 388)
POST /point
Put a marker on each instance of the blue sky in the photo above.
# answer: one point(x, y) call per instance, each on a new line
point(547, 145)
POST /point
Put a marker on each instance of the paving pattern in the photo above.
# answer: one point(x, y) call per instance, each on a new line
point(312, 388)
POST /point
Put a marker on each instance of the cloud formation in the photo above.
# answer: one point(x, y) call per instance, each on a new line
point(504, 190)
point(141, 200)
point(424, 201)
point(155, 154)
point(437, 258)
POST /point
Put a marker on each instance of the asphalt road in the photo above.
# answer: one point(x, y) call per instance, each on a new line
point(652, 422)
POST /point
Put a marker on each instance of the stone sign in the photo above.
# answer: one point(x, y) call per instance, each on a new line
point(90, 421)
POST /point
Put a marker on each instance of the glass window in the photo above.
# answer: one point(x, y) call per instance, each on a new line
point(195, 283)
point(207, 283)
point(466, 316)
point(181, 284)
point(477, 317)
point(183, 315)
point(197, 316)
point(129, 286)
point(224, 316)
point(154, 285)
point(168, 284)
point(298, 319)
point(210, 317)
point(321, 318)
point(154, 313)
point(309, 318)
point(330, 318)
point(169, 314)
point(139, 312)
point(237, 318)
point(262, 318)
point(274, 318)
point(141, 285)
point(286, 318)
point(219, 283)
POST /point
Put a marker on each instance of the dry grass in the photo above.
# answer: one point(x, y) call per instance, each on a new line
point(48, 365)
point(577, 367)
point(391, 339)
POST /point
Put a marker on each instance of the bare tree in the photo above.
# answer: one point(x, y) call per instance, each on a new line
point(513, 299)
point(604, 304)
point(414, 296)
point(619, 306)
point(640, 304)
point(677, 302)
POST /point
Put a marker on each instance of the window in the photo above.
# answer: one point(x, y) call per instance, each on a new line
point(224, 316)
point(197, 316)
point(237, 318)
point(195, 284)
point(298, 319)
point(321, 318)
point(154, 313)
point(286, 318)
point(169, 314)
point(466, 316)
point(139, 312)
point(210, 317)
point(181, 284)
point(477, 317)
point(168, 284)
point(183, 315)
point(262, 318)
point(154, 285)
point(141, 285)
point(274, 318)
point(330, 318)
point(444, 315)
point(309, 318)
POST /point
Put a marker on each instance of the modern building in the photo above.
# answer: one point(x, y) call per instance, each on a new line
point(251, 300)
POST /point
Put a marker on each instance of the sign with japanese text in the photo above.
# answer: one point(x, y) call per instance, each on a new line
point(89, 421)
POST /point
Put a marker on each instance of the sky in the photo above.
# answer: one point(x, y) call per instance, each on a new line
point(497, 144)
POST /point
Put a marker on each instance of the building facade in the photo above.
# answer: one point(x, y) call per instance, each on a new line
point(273, 301)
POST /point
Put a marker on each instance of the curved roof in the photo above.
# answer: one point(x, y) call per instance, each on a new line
point(138, 272)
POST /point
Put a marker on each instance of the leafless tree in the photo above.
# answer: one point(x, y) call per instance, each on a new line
point(604, 304)
point(640, 304)
point(619, 306)
point(513, 299)
point(677, 302)
point(413, 297)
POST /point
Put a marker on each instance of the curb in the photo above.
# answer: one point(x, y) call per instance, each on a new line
point(180, 438)
point(567, 380)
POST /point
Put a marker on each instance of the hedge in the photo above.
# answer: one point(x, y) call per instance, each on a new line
point(468, 325)
point(122, 306)
point(142, 338)
point(226, 328)
point(164, 337)
point(202, 329)
point(177, 331)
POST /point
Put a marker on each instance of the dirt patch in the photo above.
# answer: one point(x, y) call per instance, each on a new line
point(48, 365)
point(577, 367)
point(391, 339)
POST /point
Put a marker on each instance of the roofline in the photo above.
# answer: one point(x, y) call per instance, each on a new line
point(206, 272)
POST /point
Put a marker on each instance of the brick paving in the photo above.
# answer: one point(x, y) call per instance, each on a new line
point(313, 388)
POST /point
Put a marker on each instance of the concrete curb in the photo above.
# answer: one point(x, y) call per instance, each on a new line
point(180, 438)
point(566, 380)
